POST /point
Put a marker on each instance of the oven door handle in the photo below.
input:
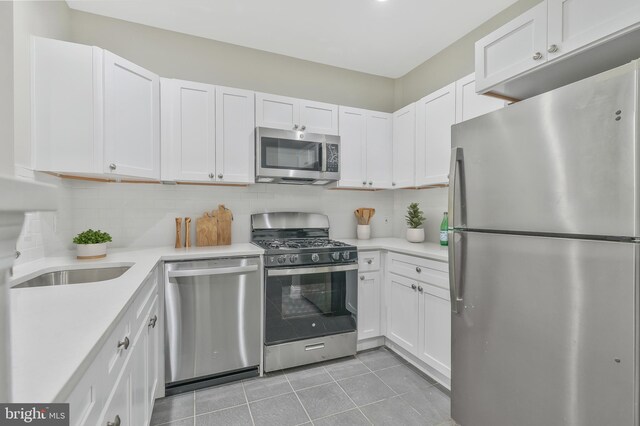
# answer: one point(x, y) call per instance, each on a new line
point(313, 270)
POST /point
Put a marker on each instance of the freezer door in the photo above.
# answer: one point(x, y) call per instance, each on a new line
point(563, 162)
point(545, 332)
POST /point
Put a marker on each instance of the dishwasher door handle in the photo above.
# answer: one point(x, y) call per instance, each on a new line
point(212, 271)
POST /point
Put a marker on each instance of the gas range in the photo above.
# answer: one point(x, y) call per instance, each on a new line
point(298, 239)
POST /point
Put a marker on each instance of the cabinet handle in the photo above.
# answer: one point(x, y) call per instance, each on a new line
point(361, 277)
point(418, 269)
point(413, 286)
point(553, 48)
point(369, 261)
point(152, 321)
point(112, 166)
point(211, 175)
point(295, 127)
point(303, 127)
point(124, 343)
point(420, 289)
point(537, 56)
point(219, 175)
point(115, 422)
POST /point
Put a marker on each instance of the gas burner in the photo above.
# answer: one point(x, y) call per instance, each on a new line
point(299, 243)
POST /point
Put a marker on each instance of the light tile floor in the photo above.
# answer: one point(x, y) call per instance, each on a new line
point(374, 387)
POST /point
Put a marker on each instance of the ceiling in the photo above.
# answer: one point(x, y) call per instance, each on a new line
point(387, 38)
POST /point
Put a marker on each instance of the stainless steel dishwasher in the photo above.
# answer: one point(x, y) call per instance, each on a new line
point(212, 326)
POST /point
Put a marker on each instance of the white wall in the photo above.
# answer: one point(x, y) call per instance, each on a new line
point(433, 202)
point(6, 88)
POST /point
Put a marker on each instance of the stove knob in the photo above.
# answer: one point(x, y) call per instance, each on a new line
point(293, 258)
point(282, 259)
point(345, 255)
point(315, 257)
point(335, 255)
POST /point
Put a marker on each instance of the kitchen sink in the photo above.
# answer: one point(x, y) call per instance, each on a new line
point(74, 276)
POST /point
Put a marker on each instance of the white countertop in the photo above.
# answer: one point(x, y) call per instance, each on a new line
point(57, 331)
point(428, 250)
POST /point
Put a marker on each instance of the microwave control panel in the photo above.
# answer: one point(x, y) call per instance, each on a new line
point(333, 158)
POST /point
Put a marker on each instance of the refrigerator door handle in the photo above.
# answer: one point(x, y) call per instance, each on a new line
point(454, 287)
point(456, 157)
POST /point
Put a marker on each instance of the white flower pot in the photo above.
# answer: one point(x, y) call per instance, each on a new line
point(415, 235)
point(91, 251)
point(363, 232)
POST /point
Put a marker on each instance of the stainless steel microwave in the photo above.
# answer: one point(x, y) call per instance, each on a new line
point(297, 157)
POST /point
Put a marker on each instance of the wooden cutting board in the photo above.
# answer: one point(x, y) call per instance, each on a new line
point(224, 217)
point(206, 231)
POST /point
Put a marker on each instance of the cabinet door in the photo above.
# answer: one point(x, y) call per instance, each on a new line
point(66, 127)
point(435, 114)
point(132, 119)
point(137, 368)
point(404, 145)
point(379, 150)
point(118, 406)
point(576, 23)
point(368, 305)
point(512, 49)
point(435, 328)
point(235, 140)
point(469, 104)
point(353, 156)
point(277, 112)
point(188, 131)
point(318, 117)
point(153, 353)
point(403, 313)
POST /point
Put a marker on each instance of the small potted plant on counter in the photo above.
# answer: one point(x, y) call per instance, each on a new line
point(91, 244)
point(415, 219)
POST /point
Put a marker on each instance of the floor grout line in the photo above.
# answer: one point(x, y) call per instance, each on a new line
point(253, 422)
point(298, 398)
point(350, 399)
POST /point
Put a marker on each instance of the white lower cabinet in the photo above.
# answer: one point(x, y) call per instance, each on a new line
point(120, 385)
point(418, 310)
point(368, 305)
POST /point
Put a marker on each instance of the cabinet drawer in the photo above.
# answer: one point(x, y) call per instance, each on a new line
point(368, 261)
point(425, 270)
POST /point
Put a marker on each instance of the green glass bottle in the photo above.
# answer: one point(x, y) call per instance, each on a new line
point(444, 230)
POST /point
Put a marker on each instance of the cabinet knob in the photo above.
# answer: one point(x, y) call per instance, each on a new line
point(219, 175)
point(211, 175)
point(152, 321)
point(418, 269)
point(303, 127)
point(420, 289)
point(537, 56)
point(370, 183)
point(362, 277)
point(364, 182)
point(413, 286)
point(553, 48)
point(115, 422)
point(112, 166)
point(369, 261)
point(124, 343)
point(295, 127)
point(393, 184)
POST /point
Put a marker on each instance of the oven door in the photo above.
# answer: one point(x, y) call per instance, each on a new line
point(289, 154)
point(308, 302)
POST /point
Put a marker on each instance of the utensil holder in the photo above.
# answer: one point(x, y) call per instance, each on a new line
point(363, 232)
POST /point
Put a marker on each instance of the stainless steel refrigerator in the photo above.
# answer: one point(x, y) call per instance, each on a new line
point(544, 208)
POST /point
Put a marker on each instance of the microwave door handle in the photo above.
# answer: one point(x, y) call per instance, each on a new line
point(324, 156)
point(306, 271)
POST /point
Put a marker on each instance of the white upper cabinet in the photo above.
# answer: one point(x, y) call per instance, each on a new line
point(66, 110)
point(514, 48)
point(366, 149)
point(188, 131)
point(353, 154)
point(235, 135)
point(280, 112)
point(91, 110)
point(577, 23)
point(469, 104)
point(435, 114)
point(404, 147)
point(379, 149)
point(131, 119)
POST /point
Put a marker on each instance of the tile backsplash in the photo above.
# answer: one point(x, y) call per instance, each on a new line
point(143, 215)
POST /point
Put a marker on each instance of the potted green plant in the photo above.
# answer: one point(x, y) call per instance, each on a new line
point(415, 219)
point(91, 244)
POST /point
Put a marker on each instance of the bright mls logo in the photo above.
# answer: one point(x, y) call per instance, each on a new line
point(34, 414)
